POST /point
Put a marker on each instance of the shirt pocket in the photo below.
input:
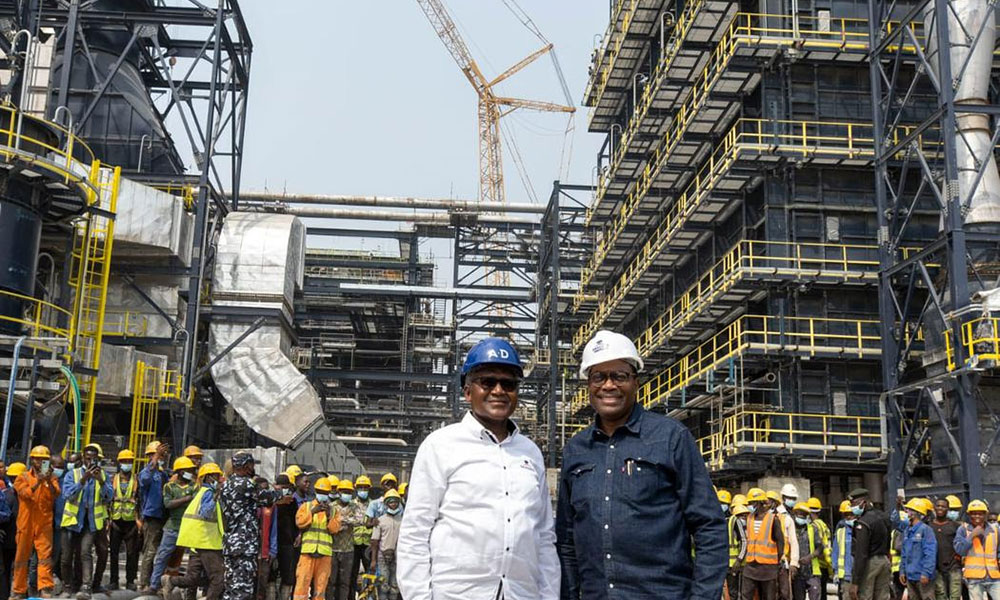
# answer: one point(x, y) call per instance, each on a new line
point(583, 486)
point(643, 481)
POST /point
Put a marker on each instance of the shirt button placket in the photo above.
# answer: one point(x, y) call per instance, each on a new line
point(611, 462)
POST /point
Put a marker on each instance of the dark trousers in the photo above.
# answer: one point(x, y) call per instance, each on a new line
point(339, 586)
point(127, 534)
point(733, 579)
point(80, 546)
point(768, 590)
point(361, 557)
point(6, 569)
point(263, 576)
point(919, 591)
point(205, 567)
point(101, 553)
point(288, 559)
point(805, 586)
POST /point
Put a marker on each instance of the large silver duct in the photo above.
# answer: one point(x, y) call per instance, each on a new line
point(258, 267)
point(971, 62)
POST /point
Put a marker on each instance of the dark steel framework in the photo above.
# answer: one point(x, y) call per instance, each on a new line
point(927, 291)
point(199, 75)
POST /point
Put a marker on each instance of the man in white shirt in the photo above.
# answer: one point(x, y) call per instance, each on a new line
point(478, 523)
point(790, 563)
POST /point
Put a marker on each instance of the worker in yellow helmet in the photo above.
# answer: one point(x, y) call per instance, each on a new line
point(201, 530)
point(362, 532)
point(765, 544)
point(36, 490)
point(125, 499)
point(152, 515)
point(318, 521)
point(841, 553)
point(376, 508)
point(351, 516)
point(808, 578)
point(195, 454)
point(918, 560)
point(87, 491)
point(948, 578)
point(725, 499)
point(177, 494)
point(977, 542)
point(815, 517)
point(404, 489)
point(385, 536)
point(737, 533)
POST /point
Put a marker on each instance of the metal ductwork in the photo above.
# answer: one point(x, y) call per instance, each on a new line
point(258, 268)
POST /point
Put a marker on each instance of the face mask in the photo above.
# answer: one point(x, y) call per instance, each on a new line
point(58, 472)
point(46, 465)
point(952, 515)
point(286, 492)
point(850, 522)
point(187, 475)
point(126, 468)
point(801, 520)
point(789, 504)
point(363, 494)
point(393, 511)
point(212, 484)
point(322, 498)
point(857, 510)
point(345, 498)
point(725, 508)
point(904, 518)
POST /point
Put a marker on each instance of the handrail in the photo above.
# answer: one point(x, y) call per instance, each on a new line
point(603, 73)
point(798, 139)
point(61, 163)
point(979, 341)
point(805, 336)
point(125, 323)
point(750, 257)
point(41, 314)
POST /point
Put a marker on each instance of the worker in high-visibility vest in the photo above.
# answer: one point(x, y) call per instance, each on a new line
point(918, 561)
point(765, 546)
point(841, 554)
point(811, 550)
point(36, 490)
point(87, 491)
point(737, 528)
point(825, 561)
point(977, 542)
point(201, 531)
point(318, 521)
point(125, 490)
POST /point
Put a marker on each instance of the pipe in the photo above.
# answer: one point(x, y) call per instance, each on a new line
point(9, 409)
point(390, 202)
point(971, 63)
point(353, 401)
point(427, 218)
point(357, 439)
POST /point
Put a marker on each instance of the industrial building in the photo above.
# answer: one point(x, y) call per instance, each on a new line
point(793, 214)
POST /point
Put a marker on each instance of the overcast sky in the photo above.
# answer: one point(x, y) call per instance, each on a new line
point(363, 98)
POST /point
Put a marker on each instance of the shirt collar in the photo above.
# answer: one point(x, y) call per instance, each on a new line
point(633, 425)
point(473, 426)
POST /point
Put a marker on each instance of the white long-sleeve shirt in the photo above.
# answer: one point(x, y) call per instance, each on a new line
point(790, 535)
point(478, 515)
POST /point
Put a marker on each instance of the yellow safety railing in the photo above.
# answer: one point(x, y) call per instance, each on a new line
point(150, 387)
point(612, 43)
point(749, 258)
point(38, 317)
point(802, 336)
point(182, 190)
point(125, 323)
point(746, 30)
point(748, 137)
point(979, 341)
point(71, 162)
point(543, 356)
point(580, 399)
point(829, 436)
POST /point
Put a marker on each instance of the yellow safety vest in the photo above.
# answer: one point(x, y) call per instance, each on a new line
point(198, 532)
point(735, 543)
point(840, 567)
point(811, 530)
point(893, 553)
point(826, 560)
point(317, 539)
point(71, 511)
point(123, 505)
point(981, 561)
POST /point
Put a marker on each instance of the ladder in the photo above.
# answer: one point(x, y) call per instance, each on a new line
point(88, 277)
point(145, 409)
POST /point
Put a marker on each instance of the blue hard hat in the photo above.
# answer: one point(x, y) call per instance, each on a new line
point(492, 351)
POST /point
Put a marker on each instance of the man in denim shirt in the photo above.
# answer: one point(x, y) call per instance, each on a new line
point(635, 498)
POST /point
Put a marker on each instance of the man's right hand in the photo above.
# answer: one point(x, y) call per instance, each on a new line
point(320, 507)
point(978, 531)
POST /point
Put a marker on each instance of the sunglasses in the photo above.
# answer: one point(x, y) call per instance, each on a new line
point(489, 383)
point(617, 377)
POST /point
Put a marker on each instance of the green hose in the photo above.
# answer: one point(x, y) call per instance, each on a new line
point(75, 395)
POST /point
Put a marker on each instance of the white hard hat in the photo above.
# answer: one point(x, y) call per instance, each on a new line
point(608, 345)
point(789, 491)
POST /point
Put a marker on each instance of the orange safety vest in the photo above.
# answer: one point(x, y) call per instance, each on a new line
point(980, 562)
point(761, 548)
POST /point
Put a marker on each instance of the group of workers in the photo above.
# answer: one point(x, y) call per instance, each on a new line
point(780, 547)
point(637, 518)
point(303, 535)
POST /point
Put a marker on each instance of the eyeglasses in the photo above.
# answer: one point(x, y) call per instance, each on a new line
point(489, 383)
point(616, 377)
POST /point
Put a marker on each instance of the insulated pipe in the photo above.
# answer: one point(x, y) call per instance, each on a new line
point(427, 218)
point(389, 202)
point(371, 440)
point(972, 34)
point(8, 411)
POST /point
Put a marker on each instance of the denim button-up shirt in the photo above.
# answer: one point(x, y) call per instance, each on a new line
point(630, 509)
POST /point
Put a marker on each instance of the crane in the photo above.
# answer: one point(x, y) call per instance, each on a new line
point(491, 107)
